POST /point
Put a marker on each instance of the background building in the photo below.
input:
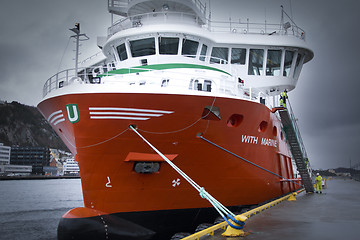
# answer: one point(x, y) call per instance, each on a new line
point(7, 169)
point(15, 170)
point(37, 157)
point(4, 154)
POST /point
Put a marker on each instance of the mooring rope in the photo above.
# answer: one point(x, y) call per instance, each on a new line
point(222, 210)
point(249, 161)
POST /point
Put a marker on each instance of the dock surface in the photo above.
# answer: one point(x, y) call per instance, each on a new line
point(334, 214)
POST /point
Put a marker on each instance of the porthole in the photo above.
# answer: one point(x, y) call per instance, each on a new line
point(235, 120)
point(281, 135)
point(263, 126)
point(275, 131)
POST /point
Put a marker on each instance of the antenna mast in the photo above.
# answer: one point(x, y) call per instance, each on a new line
point(76, 30)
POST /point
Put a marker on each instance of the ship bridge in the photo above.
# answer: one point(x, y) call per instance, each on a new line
point(264, 58)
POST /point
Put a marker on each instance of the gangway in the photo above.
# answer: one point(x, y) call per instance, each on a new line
point(296, 144)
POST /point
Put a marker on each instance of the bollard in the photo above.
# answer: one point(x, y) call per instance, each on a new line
point(292, 197)
point(232, 232)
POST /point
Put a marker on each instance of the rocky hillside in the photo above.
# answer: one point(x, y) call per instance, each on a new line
point(23, 125)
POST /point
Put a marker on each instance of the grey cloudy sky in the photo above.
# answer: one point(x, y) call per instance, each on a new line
point(34, 35)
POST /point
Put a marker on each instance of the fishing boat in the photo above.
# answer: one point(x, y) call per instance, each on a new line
point(173, 87)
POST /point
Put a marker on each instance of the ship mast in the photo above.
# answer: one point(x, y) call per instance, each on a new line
point(76, 30)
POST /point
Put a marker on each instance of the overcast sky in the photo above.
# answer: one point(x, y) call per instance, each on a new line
point(34, 36)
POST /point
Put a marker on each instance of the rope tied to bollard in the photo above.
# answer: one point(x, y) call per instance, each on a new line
point(225, 213)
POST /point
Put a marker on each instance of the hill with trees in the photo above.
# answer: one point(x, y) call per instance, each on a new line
point(22, 125)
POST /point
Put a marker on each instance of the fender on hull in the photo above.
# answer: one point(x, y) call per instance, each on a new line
point(84, 223)
point(78, 224)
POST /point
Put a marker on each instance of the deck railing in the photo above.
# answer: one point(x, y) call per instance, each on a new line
point(236, 27)
point(94, 75)
point(124, 3)
point(140, 20)
point(256, 28)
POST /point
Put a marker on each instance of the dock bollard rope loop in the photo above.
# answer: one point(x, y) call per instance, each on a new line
point(225, 213)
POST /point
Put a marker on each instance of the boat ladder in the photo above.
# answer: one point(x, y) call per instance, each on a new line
point(297, 147)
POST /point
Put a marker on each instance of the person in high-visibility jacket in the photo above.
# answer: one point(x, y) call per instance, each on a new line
point(318, 182)
point(283, 97)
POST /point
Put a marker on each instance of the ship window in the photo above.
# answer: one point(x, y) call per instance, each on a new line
point(275, 131)
point(262, 127)
point(202, 85)
point(168, 45)
point(203, 52)
point(256, 59)
point(165, 83)
point(234, 120)
point(189, 48)
point(142, 47)
point(273, 63)
point(219, 55)
point(289, 55)
point(191, 84)
point(207, 86)
point(238, 56)
point(297, 65)
point(122, 52)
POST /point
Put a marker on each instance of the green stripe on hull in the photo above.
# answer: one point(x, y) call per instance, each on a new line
point(160, 67)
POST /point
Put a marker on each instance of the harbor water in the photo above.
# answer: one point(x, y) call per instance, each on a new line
point(31, 209)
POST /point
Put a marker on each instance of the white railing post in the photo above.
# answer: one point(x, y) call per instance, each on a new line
point(57, 81)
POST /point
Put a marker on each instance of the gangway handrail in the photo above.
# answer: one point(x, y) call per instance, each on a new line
point(296, 128)
point(299, 138)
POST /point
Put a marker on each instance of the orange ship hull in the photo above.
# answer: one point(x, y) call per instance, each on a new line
point(98, 134)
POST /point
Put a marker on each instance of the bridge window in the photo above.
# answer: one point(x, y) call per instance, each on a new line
point(297, 65)
point(256, 61)
point(219, 55)
point(189, 48)
point(238, 56)
point(122, 52)
point(142, 47)
point(273, 62)
point(168, 45)
point(203, 52)
point(289, 56)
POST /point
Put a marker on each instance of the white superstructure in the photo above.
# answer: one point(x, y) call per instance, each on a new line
point(171, 46)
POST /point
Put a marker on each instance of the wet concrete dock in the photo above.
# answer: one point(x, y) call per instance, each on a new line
point(334, 214)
